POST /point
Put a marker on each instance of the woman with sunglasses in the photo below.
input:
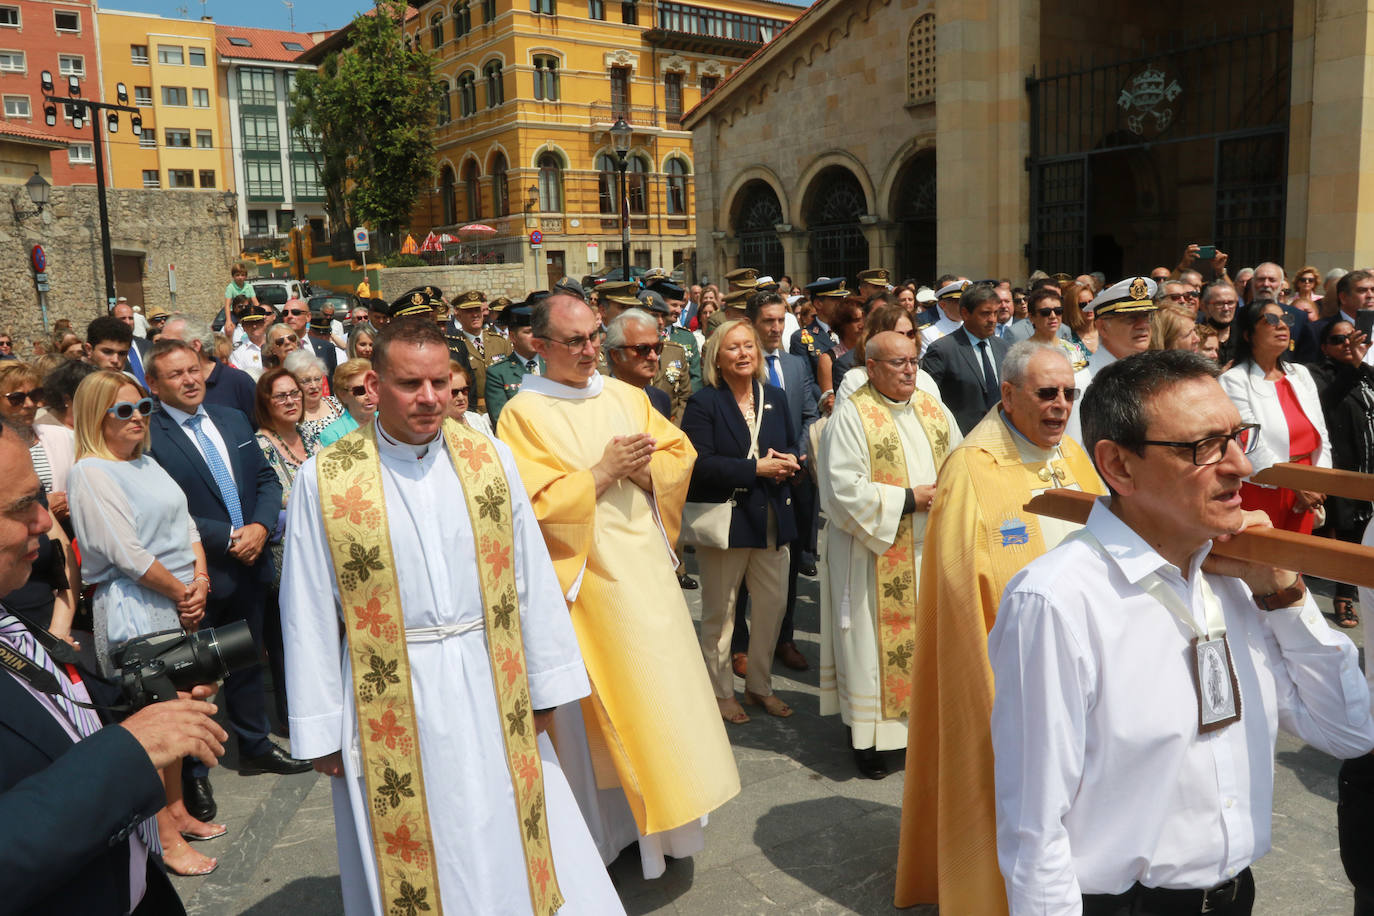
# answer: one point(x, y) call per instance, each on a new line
point(1346, 387)
point(141, 550)
point(281, 341)
point(1307, 283)
point(21, 395)
point(359, 407)
point(1045, 312)
point(1280, 396)
point(461, 389)
point(318, 410)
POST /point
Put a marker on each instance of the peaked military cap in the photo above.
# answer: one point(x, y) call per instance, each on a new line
point(824, 286)
point(953, 290)
point(1132, 295)
point(469, 299)
point(414, 303)
point(875, 275)
point(653, 301)
point(571, 287)
point(743, 277)
point(500, 303)
point(253, 313)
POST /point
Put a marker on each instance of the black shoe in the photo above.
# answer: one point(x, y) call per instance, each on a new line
point(687, 582)
point(870, 763)
point(274, 761)
point(200, 801)
point(807, 569)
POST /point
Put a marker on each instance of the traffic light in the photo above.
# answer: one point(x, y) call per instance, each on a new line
point(112, 122)
point(136, 125)
point(50, 114)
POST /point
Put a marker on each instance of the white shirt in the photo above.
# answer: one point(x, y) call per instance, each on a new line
point(774, 354)
point(248, 357)
point(943, 326)
point(208, 427)
point(980, 346)
point(1102, 777)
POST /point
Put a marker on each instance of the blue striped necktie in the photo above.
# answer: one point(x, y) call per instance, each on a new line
point(223, 479)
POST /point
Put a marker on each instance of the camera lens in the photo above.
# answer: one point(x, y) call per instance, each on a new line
point(224, 649)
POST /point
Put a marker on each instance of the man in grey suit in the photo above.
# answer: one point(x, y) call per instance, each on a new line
point(768, 311)
point(965, 364)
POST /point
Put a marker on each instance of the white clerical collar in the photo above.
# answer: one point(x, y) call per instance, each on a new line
point(387, 445)
point(895, 405)
point(542, 384)
point(1029, 450)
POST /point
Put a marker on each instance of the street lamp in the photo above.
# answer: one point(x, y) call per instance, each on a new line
point(620, 141)
point(39, 192)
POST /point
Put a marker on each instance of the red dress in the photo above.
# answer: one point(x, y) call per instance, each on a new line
point(1303, 442)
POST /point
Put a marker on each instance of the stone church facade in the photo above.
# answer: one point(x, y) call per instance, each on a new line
point(994, 137)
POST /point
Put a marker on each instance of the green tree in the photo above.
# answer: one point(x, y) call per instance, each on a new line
point(367, 115)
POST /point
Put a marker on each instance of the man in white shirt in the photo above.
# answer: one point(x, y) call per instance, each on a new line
point(248, 354)
point(1122, 314)
point(950, 320)
point(1140, 683)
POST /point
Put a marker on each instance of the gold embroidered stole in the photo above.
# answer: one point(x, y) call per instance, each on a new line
point(355, 524)
point(896, 571)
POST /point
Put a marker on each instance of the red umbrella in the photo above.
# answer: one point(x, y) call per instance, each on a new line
point(477, 229)
point(431, 243)
point(446, 239)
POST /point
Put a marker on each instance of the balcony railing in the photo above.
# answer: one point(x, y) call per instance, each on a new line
point(635, 115)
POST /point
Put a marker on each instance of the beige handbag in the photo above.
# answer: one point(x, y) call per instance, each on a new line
point(708, 524)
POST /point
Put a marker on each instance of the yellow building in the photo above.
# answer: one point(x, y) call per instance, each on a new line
point(169, 68)
point(533, 88)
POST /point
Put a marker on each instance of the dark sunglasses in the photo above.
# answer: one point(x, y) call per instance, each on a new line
point(460, 392)
point(124, 410)
point(295, 312)
point(643, 350)
point(1338, 340)
point(1047, 312)
point(358, 390)
point(6, 343)
point(17, 398)
point(287, 338)
point(1275, 320)
point(910, 335)
point(1049, 394)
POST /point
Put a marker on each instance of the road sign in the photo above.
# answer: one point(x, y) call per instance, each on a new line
point(172, 278)
point(593, 252)
point(536, 237)
point(39, 258)
point(361, 240)
point(40, 280)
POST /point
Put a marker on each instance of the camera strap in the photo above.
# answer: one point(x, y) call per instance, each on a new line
point(42, 680)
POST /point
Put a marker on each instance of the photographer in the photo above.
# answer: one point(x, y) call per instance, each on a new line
point(142, 551)
point(73, 794)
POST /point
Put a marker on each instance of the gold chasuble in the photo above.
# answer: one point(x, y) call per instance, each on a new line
point(896, 569)
point(652, 724)
point(977, 538)
point(349, 476)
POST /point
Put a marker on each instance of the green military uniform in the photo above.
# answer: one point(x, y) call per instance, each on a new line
point(503, 382)
point(674, 377)
point(688, 342)
point(494, 348)
point(732, 309)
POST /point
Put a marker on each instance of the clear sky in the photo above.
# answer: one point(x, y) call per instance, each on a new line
point(310, 15)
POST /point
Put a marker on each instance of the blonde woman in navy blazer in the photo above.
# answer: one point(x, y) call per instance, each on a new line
point(717, 421)
point(1281, 397)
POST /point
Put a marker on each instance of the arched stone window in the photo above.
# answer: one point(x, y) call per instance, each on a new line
point(448, 189)
point(500, 190)
point(462, 19)
point(678, 198)
point(550, 183)
point(920, 61)
point(608, 191)
point(445, 104)
point(637, 184)
point(496, 90)
point(836, 242)
point(467, 94)
point(755, 223)
point(472, 184)
point(436, 29)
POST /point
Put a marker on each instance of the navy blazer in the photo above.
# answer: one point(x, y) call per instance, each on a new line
point(955, 366)
point(659, 398)
point(716, 428)
point(802, 392)
point(67, 810)
point(259, 492)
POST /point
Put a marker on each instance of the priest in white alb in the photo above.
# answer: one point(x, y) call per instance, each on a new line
point(607, 475)
point(426, 641)
point(879, 456)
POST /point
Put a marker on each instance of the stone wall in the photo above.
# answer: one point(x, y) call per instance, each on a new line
point(192, 229)
point(511, 280)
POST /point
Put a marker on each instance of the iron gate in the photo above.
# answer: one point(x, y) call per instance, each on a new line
point(1231, 91)
point(756, 228)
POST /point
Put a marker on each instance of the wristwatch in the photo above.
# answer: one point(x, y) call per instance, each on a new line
point(1284, 597)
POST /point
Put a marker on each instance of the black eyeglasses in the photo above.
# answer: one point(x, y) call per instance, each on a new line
point(17, 398)
point(286, 338)
point(1049, 393)
point(460, 392)
point(1212, 449)
point(1274, 321)
point(643, 350)
point(1338, 340)
point(6, 343)
point(1047, 312)
point(575, 345)
point(358, 390)
point(910, 335)
point(124, 410)
point(295, 312)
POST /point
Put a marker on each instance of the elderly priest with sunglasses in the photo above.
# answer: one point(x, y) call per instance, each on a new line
point(977, 538)
point(1141, 680)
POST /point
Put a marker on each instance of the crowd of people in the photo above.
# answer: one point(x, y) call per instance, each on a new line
point(456, 527)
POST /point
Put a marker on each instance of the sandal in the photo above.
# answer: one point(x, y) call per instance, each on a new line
point(771, 704)
point(1345, 615)
point(215, 832)
point(187, 857)
point(731, 712)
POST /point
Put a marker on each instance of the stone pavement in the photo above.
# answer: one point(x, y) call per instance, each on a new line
point(805, 835)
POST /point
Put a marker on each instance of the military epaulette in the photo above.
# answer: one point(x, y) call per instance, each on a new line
point(925, 324)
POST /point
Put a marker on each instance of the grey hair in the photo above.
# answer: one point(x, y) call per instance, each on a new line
point(615, 331)
point(1334, 273)
point(195, 329)
point(1017, 361)
point(1161, 293)
point(301, 360)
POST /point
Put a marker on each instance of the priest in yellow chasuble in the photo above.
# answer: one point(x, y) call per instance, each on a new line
point(607, 475)
point(878, 459)
point(978, 536)
point(426, 642)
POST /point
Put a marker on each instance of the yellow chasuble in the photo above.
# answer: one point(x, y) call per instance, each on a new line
point(977, 538)
point(652, 722)
point(355, 525)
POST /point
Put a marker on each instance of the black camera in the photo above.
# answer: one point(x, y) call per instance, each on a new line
point(154, 667)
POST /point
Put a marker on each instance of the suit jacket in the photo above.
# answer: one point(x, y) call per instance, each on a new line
point(1258, 402)
point(803, 394)
point(259, 493)
point(327, 353)
point(714, 424)
point(138, 358)
point(659, 398)
point(955, 366)
point(67, 811)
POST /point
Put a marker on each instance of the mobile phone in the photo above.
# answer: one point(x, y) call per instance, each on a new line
point(1364, 322)
point(1206, 252)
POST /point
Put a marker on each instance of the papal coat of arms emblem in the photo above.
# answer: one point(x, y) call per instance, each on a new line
point(1144, 98)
